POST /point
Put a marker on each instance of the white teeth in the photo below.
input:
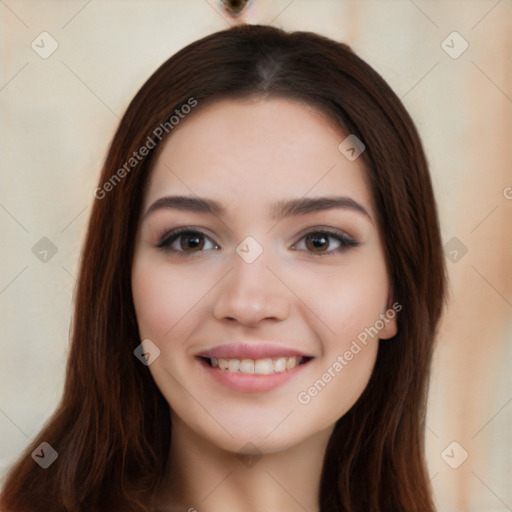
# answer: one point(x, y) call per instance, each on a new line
point(263, 366)
point(233, 365)
point(246, 365)
point(291, 362)
point(259, 366)
point(280, 364)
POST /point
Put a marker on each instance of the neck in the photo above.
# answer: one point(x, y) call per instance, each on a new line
point(205, 478)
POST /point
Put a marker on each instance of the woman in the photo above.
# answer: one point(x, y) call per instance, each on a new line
point(259, 293)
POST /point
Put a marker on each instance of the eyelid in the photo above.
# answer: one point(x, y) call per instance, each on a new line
point(324, 229)
point(344, 238)
point(172, 235)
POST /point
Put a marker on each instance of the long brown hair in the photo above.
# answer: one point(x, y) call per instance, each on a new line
point(112, 427)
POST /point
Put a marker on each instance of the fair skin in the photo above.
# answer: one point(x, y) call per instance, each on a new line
point(302, 292)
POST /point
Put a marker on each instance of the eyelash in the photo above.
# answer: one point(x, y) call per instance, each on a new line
point(170, 237)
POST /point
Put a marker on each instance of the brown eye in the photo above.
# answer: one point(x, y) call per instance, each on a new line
point(189, 240)
point(184, 241)
point(317, 242)
point(327, 242)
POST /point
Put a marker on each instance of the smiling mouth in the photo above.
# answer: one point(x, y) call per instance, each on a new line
point(265, 366)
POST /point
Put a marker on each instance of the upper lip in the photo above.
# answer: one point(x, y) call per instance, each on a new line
point(250, 351)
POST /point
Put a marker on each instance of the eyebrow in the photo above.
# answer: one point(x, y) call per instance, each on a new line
point(279, 210)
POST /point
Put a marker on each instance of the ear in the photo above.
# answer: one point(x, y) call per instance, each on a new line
point(389, 318)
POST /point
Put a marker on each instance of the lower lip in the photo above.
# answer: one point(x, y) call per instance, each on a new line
point(251, 382)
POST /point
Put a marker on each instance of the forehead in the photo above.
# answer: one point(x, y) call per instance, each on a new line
point(254, 150)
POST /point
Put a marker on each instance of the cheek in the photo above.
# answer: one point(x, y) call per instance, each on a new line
point(343, 303)
point(345, 299)
point(332, 392)
point(348, 306)
point(163, 296)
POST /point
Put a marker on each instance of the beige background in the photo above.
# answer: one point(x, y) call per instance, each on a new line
point(58, 116)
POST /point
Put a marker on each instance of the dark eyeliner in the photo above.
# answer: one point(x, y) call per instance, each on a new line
point(171, 236)
point(346, 242)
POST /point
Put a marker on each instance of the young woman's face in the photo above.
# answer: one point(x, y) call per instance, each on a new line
point(255, 284)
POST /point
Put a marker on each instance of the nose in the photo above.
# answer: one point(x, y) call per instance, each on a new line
point(251, 293)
